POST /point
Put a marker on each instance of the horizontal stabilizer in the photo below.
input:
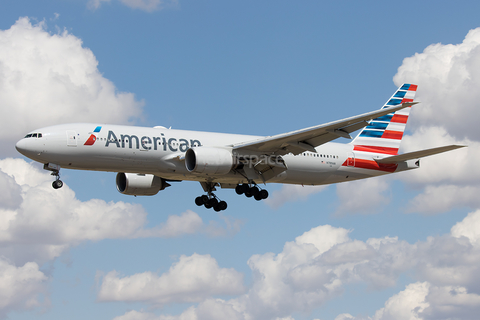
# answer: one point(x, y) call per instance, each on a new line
point(417, 154)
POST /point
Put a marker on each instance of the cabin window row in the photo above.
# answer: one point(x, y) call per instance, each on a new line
point(316, 155)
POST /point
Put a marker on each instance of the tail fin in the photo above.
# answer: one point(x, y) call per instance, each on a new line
point(384, 134)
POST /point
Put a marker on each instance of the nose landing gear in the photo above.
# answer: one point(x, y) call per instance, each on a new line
point(55, 168)
point(57, 184)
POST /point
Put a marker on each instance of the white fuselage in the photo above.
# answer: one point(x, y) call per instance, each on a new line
point(160, 151)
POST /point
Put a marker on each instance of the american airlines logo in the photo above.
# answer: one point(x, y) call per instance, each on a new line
point(91, 140)
point(150, 143)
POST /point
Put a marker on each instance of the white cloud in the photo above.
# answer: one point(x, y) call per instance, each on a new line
point(450, 179)
point(189, 314)
point(188, 222)
point(424, 301)
point(438, 199)
point(363, 196)
point(454, 167)
point(448, 77)
point(321, 262)
point(468, 227)
point(29, 205)
point(406, 305)
point(95, 4)
point(48, 79)
point(451, 302)
point(145, 5)
point(21, 287)
point(291, 193)
point(192, 279)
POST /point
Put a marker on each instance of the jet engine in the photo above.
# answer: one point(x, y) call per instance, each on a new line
point(137, 184)
point(209, 161)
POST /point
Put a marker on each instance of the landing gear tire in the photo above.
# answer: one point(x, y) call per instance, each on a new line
point(199, 201)
point(222, 205)
point(254, 191)
point(209, 203)
point(263, 194)
point(57, 184)
point(212, 202)
point(239, 189)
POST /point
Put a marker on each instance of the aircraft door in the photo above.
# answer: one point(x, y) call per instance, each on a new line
point(71, 138)
point(351, 159)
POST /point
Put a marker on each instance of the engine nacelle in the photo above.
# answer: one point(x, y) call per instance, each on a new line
point(209, 161)
point(137, 184)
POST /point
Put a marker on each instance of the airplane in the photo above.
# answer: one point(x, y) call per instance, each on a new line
point(148, 160)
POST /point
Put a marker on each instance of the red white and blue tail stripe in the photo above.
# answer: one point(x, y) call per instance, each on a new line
point(384, 134)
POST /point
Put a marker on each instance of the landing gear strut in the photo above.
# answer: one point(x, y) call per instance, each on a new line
point(251, 191)
point(55, 168)
point(210, 200)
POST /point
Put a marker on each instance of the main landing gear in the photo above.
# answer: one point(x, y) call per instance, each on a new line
point(211, 201)
point(251, 191)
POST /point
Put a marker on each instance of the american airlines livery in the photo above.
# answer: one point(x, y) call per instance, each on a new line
point(149, 159)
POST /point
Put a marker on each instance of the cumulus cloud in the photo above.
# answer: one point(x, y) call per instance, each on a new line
point(448, 76)
point(469, 228)
point(424, 301)
point(145, 5)
point(192, 279)
point(407, 304)
point(47, 79)
point(448, 180)
point(318, 264)
point(22, 287)
point(29, 205)
point(95, 4)
point(291, 193)
point(363, 196)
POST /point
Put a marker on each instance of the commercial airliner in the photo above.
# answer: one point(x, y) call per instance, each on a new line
point(149, 159)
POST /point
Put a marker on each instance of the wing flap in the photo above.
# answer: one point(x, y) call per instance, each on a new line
point(417, 154)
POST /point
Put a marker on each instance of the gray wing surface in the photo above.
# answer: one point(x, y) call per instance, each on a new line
point(307, 139)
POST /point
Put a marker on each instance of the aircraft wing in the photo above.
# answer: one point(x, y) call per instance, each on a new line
point(307, 139)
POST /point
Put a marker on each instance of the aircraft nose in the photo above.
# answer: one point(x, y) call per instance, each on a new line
point(22, 147)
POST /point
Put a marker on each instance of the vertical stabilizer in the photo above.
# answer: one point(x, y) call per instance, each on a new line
point(384, 134)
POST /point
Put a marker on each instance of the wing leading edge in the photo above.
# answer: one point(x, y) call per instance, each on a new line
point(307, 139)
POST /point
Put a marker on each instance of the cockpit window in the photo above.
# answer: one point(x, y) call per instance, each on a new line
point(33, 135)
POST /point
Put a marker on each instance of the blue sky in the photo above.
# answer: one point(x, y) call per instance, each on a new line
point(396, 247)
